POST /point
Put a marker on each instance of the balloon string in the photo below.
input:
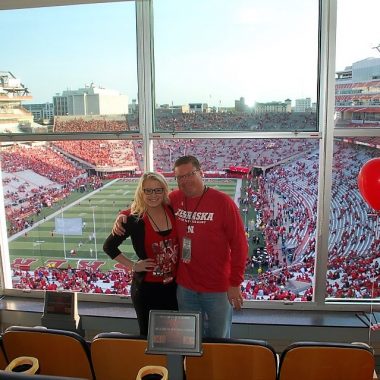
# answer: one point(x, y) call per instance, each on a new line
point(372, 315)
point(371, 325)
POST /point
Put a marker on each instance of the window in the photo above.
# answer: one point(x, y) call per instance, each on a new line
point(229, 69)
point(61, 198)
point(87, 74)
point(357, 66)
point(274, 182)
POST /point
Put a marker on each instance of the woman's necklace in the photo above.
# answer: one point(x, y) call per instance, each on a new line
point(155, 224)
point(190, 226)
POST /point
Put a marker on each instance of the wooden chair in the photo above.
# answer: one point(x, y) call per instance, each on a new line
point(226, 359)
point(326, 361)
point(116, 355)
point(59, 353)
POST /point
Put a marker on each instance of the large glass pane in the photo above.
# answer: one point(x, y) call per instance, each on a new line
point(274, 183)
point(354, 227)
point(358, 65)
point(246, 65)
point(353, 247)
point(61, 199)
point(69, 69)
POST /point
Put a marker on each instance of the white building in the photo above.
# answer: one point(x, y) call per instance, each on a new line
point(303, 105)
point(90, 100)
point(198, 107)
point(269, 107)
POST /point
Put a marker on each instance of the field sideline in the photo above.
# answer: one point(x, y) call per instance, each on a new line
point(98, 210)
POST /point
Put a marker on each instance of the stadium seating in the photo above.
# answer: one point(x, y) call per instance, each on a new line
point(66, 354)
point(226, 359)
point(326, 361)
point(59, 353)
point(117, 353)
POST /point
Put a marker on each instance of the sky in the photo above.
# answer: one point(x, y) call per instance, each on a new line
point(209, 51)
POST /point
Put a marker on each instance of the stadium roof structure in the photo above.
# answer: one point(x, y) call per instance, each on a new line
point(11, 86)
point(346, 85)
point(358, 109)
point(13, 117)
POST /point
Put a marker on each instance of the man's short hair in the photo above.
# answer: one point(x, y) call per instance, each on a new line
point(187, 160)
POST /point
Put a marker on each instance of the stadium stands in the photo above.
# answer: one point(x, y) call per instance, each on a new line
point(285, 196)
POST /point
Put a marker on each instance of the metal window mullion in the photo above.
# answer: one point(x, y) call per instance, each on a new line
point(326, 120)
point(5, 266)
point(144, 35)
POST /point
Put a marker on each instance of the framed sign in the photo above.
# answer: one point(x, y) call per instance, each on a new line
point(60, 303)
point(61, 312)
point(174, 332)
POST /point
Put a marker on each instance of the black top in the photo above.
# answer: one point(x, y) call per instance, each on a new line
point(135, 229)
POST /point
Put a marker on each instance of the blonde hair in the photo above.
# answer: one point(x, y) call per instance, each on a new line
point(138, 206)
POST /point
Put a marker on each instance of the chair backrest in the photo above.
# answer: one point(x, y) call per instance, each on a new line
point(326, 361)
point(59, 352)
point(226, 359)
point(3, 359)
point(116, 354)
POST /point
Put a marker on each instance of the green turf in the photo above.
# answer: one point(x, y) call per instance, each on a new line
point(101, 207)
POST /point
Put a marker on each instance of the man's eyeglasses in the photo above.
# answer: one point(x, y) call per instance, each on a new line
point(157, 190)
point(186, 176)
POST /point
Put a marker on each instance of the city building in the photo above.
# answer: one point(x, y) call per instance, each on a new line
point(166, 109)
point(42, 112)
point(198, 107)
point(303, 105)
point(240, 105)
point(90, 100)
point(133, 107)
point(269, 107)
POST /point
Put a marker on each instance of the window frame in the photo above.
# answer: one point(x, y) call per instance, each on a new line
point(146, 101)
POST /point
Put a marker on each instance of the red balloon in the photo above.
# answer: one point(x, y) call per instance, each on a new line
point(369, 182)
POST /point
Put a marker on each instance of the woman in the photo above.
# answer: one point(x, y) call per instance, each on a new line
point(151, 226)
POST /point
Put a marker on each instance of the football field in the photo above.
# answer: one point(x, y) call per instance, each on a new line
point(95, 212)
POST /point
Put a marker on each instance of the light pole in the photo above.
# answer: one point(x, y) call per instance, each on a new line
point(94, 234)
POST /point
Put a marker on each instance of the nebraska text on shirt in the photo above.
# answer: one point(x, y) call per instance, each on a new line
point(190, 215)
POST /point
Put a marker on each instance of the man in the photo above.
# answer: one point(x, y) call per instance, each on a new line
point(213, 249)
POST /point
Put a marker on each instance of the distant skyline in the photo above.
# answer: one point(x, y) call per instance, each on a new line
point(260, 50)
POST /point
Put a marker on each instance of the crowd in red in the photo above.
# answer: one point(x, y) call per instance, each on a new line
point(24, 198)
point(77, 280)
point(220, 154)
point(233, 121)
point(92, 124)
point(102, 153)
point(285, 198)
